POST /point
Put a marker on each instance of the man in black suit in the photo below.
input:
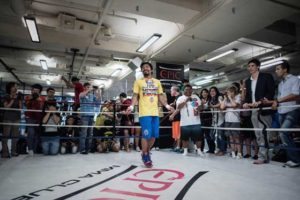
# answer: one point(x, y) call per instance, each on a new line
point(259, 86)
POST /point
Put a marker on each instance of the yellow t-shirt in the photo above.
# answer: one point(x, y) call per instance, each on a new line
point(148, 92)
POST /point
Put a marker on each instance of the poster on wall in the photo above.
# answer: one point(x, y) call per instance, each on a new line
point(169, 75)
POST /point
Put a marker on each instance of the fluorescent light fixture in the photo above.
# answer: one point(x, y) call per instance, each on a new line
point(148, 43)
point(271, 63)
point(209, 77)
point(48, 82)
point(196, 87)
point(44, 64)
point(116, 73)
point(187, 69)
point(221, 55)
point(202, 82)
point(32, 28)
point(102, 86)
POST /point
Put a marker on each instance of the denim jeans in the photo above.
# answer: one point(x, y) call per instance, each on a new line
point(33, 136)
point(85, 132)
point(50, 145)
point(288, 120)
point(221, 139)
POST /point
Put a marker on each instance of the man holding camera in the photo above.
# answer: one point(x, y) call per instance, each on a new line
point(78, 88)
point(89, 99)
point(34, 102)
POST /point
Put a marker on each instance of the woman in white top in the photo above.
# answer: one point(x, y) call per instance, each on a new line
point(231, 102)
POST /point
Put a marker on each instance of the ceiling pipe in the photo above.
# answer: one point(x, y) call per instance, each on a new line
point(72, 65)
point(107, 5)
point(18, 7)
point(10, 70)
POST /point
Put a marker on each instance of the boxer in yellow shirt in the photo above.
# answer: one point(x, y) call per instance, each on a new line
point(148, 91)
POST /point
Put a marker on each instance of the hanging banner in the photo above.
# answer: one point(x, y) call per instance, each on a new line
point(169, 75)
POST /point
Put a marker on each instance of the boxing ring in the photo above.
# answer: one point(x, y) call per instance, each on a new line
point(122, 175)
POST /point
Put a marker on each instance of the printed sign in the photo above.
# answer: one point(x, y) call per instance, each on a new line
point(169, 75)
point(116, 182)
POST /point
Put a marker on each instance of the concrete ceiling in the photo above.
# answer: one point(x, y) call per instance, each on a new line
point(108, 32)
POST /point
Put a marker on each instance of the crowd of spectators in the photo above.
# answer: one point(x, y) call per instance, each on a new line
point(238, 106)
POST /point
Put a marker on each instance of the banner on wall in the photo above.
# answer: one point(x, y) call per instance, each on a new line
point(169, 75)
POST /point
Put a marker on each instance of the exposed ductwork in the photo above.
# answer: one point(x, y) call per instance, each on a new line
point(70, 24)
point(18, 7)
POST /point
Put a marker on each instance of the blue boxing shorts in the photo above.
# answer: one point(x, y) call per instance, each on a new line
point(150, 126)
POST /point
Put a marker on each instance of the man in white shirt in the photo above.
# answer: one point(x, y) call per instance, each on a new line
point(259, 86)
point(189, 104)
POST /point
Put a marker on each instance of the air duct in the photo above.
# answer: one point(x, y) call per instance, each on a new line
point(18, 7)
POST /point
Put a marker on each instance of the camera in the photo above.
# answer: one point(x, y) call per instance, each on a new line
point(52, 103)
point(19, 96)
point(35, 96)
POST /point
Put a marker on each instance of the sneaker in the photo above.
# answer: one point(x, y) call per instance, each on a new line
point(156, 148)
point(130, 146)
point(247, 156)
point(200, 153)
point(138, 149)
point(220, 153)
point(239, 156)
point(5, 156)
point(210, 151)
point(146, 160)
point(259, 162)
point(84, 152)
point(233, 154)
point(30, 152)
point(255, 157)
point(149, 157)
point(185, 152)
point(291, 164)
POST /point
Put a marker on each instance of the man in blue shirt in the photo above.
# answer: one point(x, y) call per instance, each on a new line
point(289, 113)
point(89, 99)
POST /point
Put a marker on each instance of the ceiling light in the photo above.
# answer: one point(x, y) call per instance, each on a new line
point(116, 73)
point(196, 87)
point(270, 63)
point(148, 43)
point(187, 69)
point(202, 82)
point(48, 82)
point(44, 64)
point(221, 55)
point(209, 77)
point(32, 28)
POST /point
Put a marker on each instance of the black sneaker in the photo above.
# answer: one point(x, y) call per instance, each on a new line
point(255, 157)
point(247, 156)
point(84, 152)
